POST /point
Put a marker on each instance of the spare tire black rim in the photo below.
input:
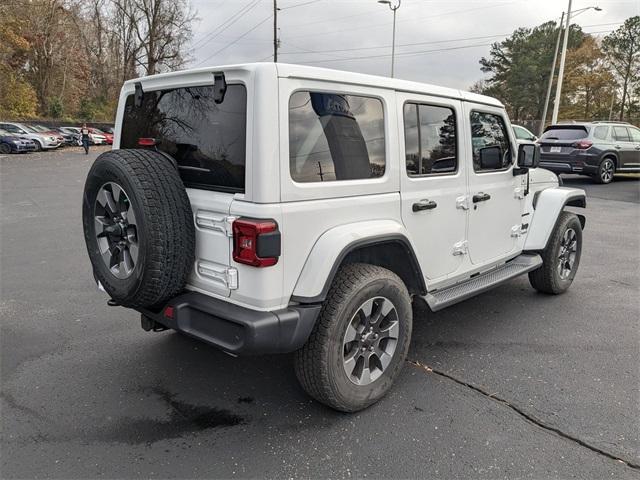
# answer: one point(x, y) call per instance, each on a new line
point(370, 340)
point(116, 230)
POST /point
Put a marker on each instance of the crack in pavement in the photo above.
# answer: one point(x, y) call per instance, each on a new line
point(525, 415)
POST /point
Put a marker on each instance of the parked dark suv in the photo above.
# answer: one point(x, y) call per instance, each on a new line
point(598, 149)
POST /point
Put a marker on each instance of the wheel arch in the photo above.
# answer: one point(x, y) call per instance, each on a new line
point(548, 204)
point(385, 245)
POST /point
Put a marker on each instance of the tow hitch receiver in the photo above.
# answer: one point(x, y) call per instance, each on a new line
point(149, 325)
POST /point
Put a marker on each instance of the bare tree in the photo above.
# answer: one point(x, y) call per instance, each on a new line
point(162, 29)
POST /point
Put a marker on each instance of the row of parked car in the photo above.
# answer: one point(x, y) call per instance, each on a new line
point(22, 137)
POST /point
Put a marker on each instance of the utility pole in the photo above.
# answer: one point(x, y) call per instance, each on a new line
point(556, 104)
point(275, 30)
point(553, 70)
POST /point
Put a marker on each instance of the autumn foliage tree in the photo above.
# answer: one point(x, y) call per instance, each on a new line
point(68, 58)
point(589, 83)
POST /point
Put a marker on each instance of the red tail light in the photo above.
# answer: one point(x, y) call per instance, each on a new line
point(256, 242)
point(147, 142)
point(583, 144)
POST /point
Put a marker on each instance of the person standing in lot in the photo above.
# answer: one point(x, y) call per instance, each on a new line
point(85, 138)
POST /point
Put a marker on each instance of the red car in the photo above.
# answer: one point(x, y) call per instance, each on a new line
point(107, 136)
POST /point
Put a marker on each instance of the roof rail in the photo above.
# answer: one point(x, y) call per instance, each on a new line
point(611, 121)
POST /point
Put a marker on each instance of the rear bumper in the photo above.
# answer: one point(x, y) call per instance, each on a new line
point(575, 162)
point(235, 329)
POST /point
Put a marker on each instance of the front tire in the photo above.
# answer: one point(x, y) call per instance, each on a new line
point(360, 341)
point(560, 258)
point(5, 148)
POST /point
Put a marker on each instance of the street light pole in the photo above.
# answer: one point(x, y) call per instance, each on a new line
point(556, 103)
point(275, 30)
point(553, 69)
point(393, 42)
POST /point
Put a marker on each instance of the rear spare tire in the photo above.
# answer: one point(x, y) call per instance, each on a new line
point(138, 227)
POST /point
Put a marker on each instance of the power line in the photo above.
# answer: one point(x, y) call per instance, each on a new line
point(399, 21)
point(433, 42)
point(415, 53)
point(405, 54)
point(233, 42)
point(227, 23)
point(300, 4)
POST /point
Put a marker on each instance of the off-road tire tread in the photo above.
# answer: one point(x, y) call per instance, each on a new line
point(169, 225)
point(310, 361)
point(545, 279)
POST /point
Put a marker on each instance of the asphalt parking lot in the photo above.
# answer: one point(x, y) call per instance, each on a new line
point(510, 384)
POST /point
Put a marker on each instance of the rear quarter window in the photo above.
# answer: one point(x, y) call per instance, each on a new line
point(208, 140)
point(601, 133)
point(335, 137)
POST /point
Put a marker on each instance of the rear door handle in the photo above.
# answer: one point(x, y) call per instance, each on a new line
point(424, 205)
point(481, 197)
point(617, 147)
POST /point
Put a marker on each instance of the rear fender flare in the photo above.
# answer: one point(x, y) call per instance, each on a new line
point(333, 247)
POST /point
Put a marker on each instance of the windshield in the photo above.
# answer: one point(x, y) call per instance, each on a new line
point(522, 133)
point(29, 129)
point(565, 133)
point(207, 139)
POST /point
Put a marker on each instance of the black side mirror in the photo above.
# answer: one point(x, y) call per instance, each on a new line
point(528, 155)
point(491, 158)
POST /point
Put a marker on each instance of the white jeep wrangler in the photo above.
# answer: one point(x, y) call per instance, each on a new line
point(268, 208)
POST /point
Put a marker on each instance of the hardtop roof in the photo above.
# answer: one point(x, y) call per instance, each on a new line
point(288, 70)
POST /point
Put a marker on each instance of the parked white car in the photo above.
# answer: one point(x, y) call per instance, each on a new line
point(523, 133)
point(43, 141)
point(268, 208)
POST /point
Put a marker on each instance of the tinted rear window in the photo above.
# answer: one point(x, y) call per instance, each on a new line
point(565, 133)
point(208, 140)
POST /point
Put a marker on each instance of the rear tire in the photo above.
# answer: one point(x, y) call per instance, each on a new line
point(138, 227)
point(606, 170)
point(351, 360)
point(561, 257)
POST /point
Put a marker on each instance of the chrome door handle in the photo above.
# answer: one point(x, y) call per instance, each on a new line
point(481, 197)
point(424, 205)
point(617, 147)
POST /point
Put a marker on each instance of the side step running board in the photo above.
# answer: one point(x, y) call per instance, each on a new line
point(524, 263)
